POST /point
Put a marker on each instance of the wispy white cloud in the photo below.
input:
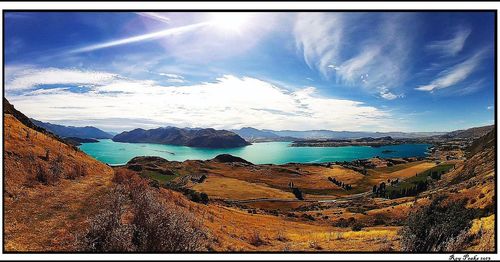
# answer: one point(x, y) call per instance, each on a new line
point(171, 75)
point(490, 107)
point(21, 78)
point(455, 74)
point(320, 46)
point(139, 38)
point(154, 16)
point(226, 102)
point(386, 94)
point(335, 48)
point(173, 78)
point(452, 46)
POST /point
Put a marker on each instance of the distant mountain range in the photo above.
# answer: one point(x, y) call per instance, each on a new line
point(208, 137)
point(257, 135)
point(211, 138)
point(86, 132)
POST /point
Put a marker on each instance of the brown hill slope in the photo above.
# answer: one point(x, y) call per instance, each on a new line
point(474, 132)
point(50, 187)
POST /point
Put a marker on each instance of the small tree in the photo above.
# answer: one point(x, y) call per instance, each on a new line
point(47, 154)
point(204, 198)
point(297, 193)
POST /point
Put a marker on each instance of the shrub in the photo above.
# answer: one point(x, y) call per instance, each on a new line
point(379, 220)
point(308, 217)
point(46, 177)
point(281, 236)
point(315, 245)
point(78, 171)
point(255, 239)
point(297, 193)
point(123, 175)
point(357, 227)
point(57, 168)
point(161, 226)
point(433, 227)
point(106, 233)
point(342, 222)
point(156, 226)
point(196, 196)
point(204, 198)
point(154, 183)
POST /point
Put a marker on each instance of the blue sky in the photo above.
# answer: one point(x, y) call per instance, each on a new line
point(340, 71)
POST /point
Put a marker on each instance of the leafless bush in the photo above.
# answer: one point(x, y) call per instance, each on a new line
point(315, 245)
point(386, 245)
point(281, 236)
point(56, 169)
point(255, 239)
point(458, 243)
point(163, 226)
point(156, 225)
point(106, 232)
point(123, 176)
point(78, 171)
point(44, 176)
point(437, 227)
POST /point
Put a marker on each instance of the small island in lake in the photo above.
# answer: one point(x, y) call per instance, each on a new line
point(388, 151)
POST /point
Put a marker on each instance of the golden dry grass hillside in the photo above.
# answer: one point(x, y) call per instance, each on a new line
point(50, 189)
point(57, 198)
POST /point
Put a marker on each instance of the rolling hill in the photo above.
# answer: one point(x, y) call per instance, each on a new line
point(473, 133)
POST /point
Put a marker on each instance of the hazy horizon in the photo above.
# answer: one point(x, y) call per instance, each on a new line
point(263, 129)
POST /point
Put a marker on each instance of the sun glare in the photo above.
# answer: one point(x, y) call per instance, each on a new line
point(230, 21)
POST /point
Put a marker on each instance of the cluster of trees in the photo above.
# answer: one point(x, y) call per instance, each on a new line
point(296, 191)
point(395, 192)
point(380, 190)
point(198, 197)
point(393, 182)
point(436, 175)
point(341, 184)
point(351, 222)
point(199, 180)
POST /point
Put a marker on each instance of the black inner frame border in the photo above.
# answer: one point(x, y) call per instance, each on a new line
point(495, 11)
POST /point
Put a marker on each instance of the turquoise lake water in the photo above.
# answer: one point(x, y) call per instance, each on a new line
point(258, 153)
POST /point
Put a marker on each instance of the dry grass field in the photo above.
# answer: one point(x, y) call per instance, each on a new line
point(230, 188)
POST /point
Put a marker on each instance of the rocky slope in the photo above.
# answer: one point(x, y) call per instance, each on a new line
point(209, 138)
